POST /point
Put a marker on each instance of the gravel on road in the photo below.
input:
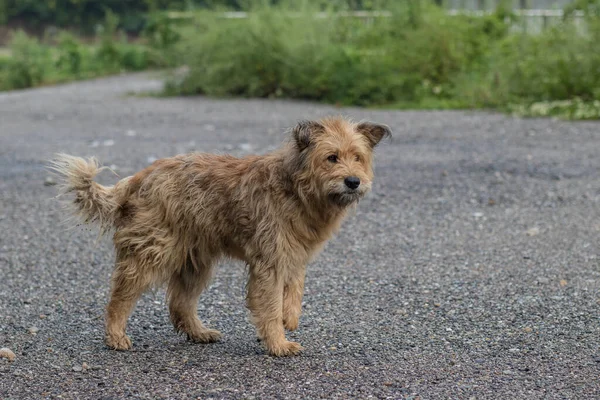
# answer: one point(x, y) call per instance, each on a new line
point(471, 271)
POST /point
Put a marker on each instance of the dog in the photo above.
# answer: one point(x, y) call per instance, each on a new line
point(175, 219)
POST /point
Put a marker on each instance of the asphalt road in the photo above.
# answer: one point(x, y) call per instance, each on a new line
point(471, 271)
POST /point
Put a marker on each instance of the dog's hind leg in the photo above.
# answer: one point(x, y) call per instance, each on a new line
point(127, 287)
point(183, 292)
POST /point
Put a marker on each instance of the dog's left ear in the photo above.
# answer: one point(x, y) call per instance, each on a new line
point(304, 131)
point(374, 132)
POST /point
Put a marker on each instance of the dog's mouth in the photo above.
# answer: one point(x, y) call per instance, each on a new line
point(345, 198)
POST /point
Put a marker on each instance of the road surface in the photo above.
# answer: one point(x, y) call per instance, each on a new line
point(471, 271)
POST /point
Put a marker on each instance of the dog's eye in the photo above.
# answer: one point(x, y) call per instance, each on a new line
point(332, 158)
point(357, 158)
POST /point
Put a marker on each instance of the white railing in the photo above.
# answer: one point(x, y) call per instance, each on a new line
point(383, 13)
point(531, 20)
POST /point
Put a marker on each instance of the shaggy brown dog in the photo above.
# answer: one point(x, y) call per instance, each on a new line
point(175, 219)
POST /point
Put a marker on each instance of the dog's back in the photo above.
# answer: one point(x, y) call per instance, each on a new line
point(212, 203)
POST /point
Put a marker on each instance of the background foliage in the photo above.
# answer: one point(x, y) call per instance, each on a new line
point(85, 14)
point(133, 14)
point(417, 57)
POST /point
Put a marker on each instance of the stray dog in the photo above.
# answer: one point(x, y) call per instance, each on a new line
point(175, 219)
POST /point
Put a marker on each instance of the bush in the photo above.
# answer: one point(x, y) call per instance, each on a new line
point(559, 65)
point(28, 64)
point(70, 54)
point(108, 56)
point(134, 58)
point(162, 34)
point(416, 53)
point(418, 57)
point(32, 63)
point(114, 55)
point(547, 69)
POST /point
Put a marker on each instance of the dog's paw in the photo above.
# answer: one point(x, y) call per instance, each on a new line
point(122, 342)
point(291, 323)
point(205, 336)
point(285, 349)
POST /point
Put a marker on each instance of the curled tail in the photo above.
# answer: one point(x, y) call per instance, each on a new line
point(94, 202)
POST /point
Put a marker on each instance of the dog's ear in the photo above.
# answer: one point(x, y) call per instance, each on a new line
point(304, 132)
point(374, 132)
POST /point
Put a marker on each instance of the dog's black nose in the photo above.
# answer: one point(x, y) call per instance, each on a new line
point(352, 182)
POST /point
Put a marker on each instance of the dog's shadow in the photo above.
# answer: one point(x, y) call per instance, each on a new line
point(232, 346)
point(184, 354)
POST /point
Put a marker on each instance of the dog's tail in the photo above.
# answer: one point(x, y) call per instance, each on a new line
point(93, 202)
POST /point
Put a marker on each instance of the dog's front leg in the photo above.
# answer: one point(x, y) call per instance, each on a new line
point(265, 301)
point(292, 297)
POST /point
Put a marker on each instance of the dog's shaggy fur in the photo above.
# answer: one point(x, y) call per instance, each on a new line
point(175, 219)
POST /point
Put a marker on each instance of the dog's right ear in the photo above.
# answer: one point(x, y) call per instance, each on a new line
point(304, 132)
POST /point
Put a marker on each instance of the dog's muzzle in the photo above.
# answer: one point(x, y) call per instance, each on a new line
point(346, 197)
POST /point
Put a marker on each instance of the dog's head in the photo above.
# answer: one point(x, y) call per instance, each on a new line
point(335, 158)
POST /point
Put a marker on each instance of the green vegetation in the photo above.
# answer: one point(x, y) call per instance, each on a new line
point(31, 62)
point(417, 57)
point(411, 56)
point(83, 15)
point(420, 57)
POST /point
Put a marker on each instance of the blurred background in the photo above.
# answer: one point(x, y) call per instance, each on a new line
point(528, 57)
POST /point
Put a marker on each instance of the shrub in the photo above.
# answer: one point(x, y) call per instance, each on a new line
point(558, 65)
point(108, 57)
point(70, 54)
point(31, 63)
point(276, 52)
point(133, 58)
point(419, 57)
point(85, 14)
point(161, 32)
point(28, 63)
